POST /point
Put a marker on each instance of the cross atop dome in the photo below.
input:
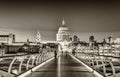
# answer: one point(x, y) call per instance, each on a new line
point(63, 22)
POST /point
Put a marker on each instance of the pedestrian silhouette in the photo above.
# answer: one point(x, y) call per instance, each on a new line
point(55, 53)
point(73, 51)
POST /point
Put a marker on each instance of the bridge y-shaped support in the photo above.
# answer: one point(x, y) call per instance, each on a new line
point(20, 66)
point(40, 59)
point(10, 66)
point(104, 69)
point(33, 61)
point(113, 69)
point(28, 62)
point(37, 58)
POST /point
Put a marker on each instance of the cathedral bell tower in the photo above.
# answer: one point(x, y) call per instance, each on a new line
point(38, 37)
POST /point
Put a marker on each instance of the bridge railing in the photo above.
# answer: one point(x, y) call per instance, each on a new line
point(15, 65)
point(107, 65)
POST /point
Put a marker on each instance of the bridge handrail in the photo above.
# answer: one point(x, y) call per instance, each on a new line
point(27, 60)
point(95, 58)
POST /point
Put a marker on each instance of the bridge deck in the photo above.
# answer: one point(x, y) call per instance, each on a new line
point(64, 66)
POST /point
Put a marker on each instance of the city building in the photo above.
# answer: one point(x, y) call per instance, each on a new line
point(63, 36)
point(8, 39)
point(10, 46)
point(63, 33)
point(117, 41)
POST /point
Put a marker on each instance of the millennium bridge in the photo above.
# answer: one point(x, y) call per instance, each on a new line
point(83, 63)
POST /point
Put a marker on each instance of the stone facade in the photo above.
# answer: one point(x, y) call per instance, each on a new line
point(8, 39)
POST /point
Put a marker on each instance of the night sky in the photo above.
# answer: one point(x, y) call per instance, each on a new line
point(84, 18)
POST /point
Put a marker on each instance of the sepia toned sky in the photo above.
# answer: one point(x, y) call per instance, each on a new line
point(84, 17)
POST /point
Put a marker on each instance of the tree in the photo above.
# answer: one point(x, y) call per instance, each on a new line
point(70, 38)
point(75, 38)
point(104, 41)
point(109, 39)
point(91, 39)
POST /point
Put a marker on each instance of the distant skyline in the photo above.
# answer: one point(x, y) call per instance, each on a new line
point(85, 18)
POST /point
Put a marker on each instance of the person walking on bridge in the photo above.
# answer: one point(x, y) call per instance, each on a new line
point(73, 52)
point(55, 54)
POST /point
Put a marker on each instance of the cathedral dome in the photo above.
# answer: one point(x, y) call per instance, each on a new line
point(63, 29)
point(63, 32)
